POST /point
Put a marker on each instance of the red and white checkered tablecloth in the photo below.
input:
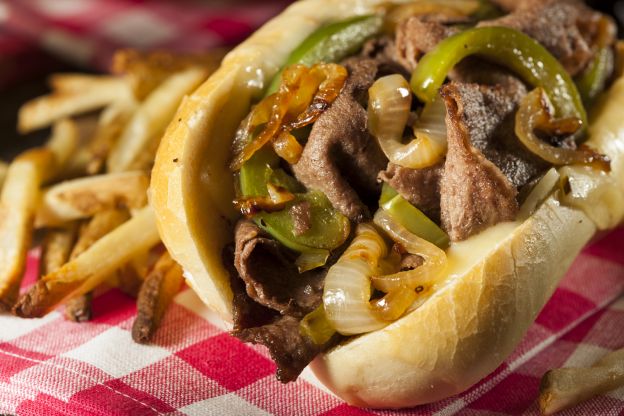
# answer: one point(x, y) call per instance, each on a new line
point(87, 32)
point(53, 367)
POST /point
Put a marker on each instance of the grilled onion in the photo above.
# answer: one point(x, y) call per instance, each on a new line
point(388, 112)
point(434, 257)
point(305, 93)
point(536, 112)
point(347, 293)
point(276, 201)
point(544, 187)
point(311, 260)
point(595, 192)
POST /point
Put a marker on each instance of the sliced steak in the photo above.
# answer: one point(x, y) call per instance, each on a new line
point(416, 36)
point(341, 158)
point(421, 187)
point(246, 312)
point(261, 282)
point(382, 49)
point(488, 113)
point(562, 27)
point(506, 5)
point(270, 275)
point(474, 192)
point(477, 71)
point(290, 350)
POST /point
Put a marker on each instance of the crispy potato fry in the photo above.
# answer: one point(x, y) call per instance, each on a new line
point(145, 160)
point(87, 125)
point(128, 280)
point(92, 267)
point(110, 125)
point(77, 165)
point(147, 70)
point(98, 92)
point(63, 142)
point(151, 119)
point(565, 387)
point(19, 200)
point(619, 58)
point(157, 292)
point(18, 203)
point(56, 248)
point(84, 197)
point(78, 309)
point(75, 82)
point(101, 224)
point(4, 167)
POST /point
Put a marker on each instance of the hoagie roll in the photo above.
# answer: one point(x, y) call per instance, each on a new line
point(393, 191)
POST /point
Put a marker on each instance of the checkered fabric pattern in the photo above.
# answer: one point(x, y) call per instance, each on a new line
point(87, 32)
point(53, 367)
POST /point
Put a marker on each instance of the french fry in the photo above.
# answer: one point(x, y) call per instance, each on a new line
point(78, 309)
point(146, 71)
point(95, 93)
point(619, 58)
point(71, 82)
point(18, 203)
point(101, 224)
point(565, 387)
point(77, 165)
point(19, 200)
point(92, 267)
point(145, 160)
point(157, 292)
point(84, 197)
point(4, 167)
point(128, 280)
point(56, 248)
point(151, 118)
point(110, 125)
point(63, 142)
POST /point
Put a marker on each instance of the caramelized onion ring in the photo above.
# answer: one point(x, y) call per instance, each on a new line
point(535, 112)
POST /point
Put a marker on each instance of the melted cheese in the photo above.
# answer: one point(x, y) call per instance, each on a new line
point(464, 255)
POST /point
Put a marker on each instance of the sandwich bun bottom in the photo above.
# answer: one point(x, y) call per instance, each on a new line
point(497, 283)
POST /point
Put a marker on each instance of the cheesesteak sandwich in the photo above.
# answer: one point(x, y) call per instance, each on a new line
point(392, 190)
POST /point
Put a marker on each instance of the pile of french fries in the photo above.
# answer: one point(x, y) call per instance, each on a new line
point(83, 195)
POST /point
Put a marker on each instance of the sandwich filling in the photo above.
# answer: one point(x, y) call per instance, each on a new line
point(385, 140)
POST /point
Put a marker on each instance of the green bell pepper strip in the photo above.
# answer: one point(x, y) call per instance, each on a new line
point(387, 194)
point(329, 228)
point(331, 43)
point(412, 218)
point(593, 80)
point(509, 48)
point(317, 327)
